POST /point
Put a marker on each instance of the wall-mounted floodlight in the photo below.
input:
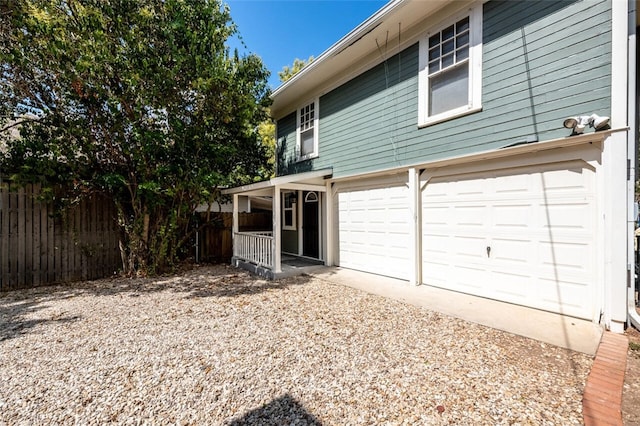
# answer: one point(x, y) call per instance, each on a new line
point(578, 124)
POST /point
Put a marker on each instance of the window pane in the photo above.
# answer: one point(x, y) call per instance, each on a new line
point(462, 39)
point(447, 47)
point(288, 218)
point(462, 54)
point(449, 90)
point(462, 25)
point(434, 66)
point(447, 60)
point(447, 33)
point(434, 40)
point(306, 143)
point(434, 53)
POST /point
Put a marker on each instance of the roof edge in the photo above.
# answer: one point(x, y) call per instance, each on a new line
point(351, 37)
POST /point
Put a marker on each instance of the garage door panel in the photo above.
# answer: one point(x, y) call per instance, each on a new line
point(512, 215)
point(512, 285)
point(538, 223)
point(469, 248)
point(373, 229)
point(575, 257)
point(564, 297)
point(510, 251)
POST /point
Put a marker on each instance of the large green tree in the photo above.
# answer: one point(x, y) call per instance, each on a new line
point(139, 99)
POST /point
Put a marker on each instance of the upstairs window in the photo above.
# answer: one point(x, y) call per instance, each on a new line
point(451, 69)
point(307, 135)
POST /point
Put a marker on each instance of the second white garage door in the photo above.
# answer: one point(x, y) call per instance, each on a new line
point(373, 228)
point(525, 236)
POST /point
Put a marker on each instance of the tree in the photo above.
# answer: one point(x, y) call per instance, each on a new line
point(140, 99)
point(289, 71)
point(267, 129)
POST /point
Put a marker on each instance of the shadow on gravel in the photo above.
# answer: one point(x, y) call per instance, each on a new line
point(13, 321)
point(284, 410)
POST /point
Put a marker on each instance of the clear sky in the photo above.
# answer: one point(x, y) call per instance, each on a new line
point(281, 30)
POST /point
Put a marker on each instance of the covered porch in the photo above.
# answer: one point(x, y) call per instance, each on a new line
point(297, 241)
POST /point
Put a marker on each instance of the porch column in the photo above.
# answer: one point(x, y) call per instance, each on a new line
point(414, 227)
point(277, 233)
point(328, 232)
point(236, 200)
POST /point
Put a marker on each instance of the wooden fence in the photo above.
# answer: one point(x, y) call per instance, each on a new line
point(215, 241)
point(39, 247)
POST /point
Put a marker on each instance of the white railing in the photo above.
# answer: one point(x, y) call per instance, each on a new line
point(255, 247)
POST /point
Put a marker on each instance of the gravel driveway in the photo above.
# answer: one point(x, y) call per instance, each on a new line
point(217, 346)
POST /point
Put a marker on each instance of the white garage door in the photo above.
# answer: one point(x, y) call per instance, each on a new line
point(373, 229)
point(522, 236)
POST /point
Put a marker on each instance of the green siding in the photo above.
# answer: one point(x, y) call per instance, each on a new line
point(542, 62)
point(290, 242)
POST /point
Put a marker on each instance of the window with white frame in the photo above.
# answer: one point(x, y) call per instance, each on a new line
point(450, 79)
point(289, 203)
point(307, 140)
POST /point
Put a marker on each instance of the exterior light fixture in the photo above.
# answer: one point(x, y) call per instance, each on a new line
point(578, 124)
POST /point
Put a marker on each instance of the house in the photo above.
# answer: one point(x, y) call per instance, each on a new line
point(429, 144)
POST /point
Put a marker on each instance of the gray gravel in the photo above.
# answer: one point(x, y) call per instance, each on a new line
point(216, 346)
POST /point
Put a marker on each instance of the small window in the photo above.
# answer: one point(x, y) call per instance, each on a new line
point(450, 69)
point(307, 143)
point(311, 197)
point(289, 203)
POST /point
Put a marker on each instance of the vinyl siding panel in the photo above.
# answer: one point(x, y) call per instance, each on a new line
point(542, 62)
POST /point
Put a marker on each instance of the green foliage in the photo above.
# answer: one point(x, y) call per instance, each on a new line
point(289, 71)
point(140, 99)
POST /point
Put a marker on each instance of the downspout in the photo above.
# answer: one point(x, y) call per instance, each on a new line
point(632, 100)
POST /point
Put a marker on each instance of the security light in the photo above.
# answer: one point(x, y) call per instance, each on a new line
point(578, 123)
point(598, 123)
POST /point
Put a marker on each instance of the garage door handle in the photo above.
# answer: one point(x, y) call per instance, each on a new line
point(488, 251)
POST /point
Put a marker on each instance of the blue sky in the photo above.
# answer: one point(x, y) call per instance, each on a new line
point(280, 31)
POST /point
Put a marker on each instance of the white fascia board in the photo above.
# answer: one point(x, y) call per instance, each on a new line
point(279, 181)
point(349, 39)
point(400, 22)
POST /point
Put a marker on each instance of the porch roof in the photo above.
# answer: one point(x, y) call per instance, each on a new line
point(313, 181)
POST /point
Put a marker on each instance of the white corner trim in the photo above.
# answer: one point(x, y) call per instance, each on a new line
point(619, 58)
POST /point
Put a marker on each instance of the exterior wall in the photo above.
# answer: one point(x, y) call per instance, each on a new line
point(542, 62)
point(290, 242)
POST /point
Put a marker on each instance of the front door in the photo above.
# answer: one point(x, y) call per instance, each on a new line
point(310, 228)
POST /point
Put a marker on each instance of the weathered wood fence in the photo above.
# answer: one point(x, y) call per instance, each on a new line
point(40, 247)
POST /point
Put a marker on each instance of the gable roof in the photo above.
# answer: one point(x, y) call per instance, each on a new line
point(363, 47)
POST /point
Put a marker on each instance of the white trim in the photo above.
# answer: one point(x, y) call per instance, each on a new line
point(474, 64)
point(277, 230)
point(415, 249)
point(618, 204)
point(301, 230)
point(280, 181)
point(329, 244)
point(314, 193)
point(352, 37)
point(293, 209)
point(316, 123)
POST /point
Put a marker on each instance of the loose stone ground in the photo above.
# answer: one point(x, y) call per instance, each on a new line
point(217, 346)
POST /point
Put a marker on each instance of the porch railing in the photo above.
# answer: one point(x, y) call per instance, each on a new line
point(255, 247)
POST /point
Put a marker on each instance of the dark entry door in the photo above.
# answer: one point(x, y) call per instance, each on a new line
point(310, 216)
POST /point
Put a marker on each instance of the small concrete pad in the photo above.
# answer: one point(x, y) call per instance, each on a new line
point(567, 332)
